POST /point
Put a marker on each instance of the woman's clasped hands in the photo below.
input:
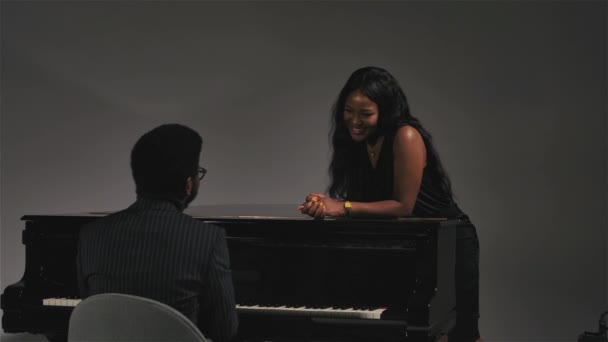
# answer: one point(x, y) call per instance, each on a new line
point(319, 205)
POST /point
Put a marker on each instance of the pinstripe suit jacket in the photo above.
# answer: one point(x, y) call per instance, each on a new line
point(153, 250)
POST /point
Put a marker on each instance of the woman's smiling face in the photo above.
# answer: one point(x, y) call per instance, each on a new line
point(360, 115)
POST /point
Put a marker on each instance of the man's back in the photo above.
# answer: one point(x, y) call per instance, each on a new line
point(153, 250)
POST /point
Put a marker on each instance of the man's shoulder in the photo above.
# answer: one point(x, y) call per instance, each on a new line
point(152, 217)
point(112, 217)
point(198, 224)
point(183, 225)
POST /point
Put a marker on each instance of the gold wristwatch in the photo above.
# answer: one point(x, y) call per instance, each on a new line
point(348, 208)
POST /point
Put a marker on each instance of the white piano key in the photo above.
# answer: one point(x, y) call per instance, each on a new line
point(312, 312)
point(332, 312)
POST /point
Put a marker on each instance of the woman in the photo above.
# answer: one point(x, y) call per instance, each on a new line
point(384, 165)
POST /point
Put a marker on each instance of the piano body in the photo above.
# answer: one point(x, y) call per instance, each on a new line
point(295, 278)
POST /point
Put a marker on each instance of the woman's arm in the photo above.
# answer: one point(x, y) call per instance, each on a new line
point(409, 159)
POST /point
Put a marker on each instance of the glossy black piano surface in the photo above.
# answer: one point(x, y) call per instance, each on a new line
point(279, 258)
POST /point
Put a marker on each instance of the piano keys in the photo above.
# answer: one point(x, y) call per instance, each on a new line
point(286, 310)
point(295, 278)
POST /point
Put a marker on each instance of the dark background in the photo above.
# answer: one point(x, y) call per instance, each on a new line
point(514, 93)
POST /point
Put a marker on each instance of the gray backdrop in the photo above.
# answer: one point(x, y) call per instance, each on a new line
point(513, 92)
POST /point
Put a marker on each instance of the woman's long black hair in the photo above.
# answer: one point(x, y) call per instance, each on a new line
point(384, 90)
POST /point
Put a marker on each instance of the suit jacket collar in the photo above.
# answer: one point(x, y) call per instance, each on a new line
point(161, 204)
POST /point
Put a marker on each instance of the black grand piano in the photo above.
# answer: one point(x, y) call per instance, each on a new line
point(295, 278)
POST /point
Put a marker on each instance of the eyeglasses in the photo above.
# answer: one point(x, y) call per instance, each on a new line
point(201, 172)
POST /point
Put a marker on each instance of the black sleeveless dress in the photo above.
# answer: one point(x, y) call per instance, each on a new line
point(377, 185)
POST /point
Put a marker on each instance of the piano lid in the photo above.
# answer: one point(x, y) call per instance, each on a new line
point(213, 211)
point(247, 211)
point(242, 212)
point(273, 212)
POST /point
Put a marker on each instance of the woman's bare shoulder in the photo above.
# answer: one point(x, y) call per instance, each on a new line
point(407, 135)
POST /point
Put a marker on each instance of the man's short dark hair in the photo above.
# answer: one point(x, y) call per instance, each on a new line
point(164, 158)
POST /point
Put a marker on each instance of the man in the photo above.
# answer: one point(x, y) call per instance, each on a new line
point(152, 249)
